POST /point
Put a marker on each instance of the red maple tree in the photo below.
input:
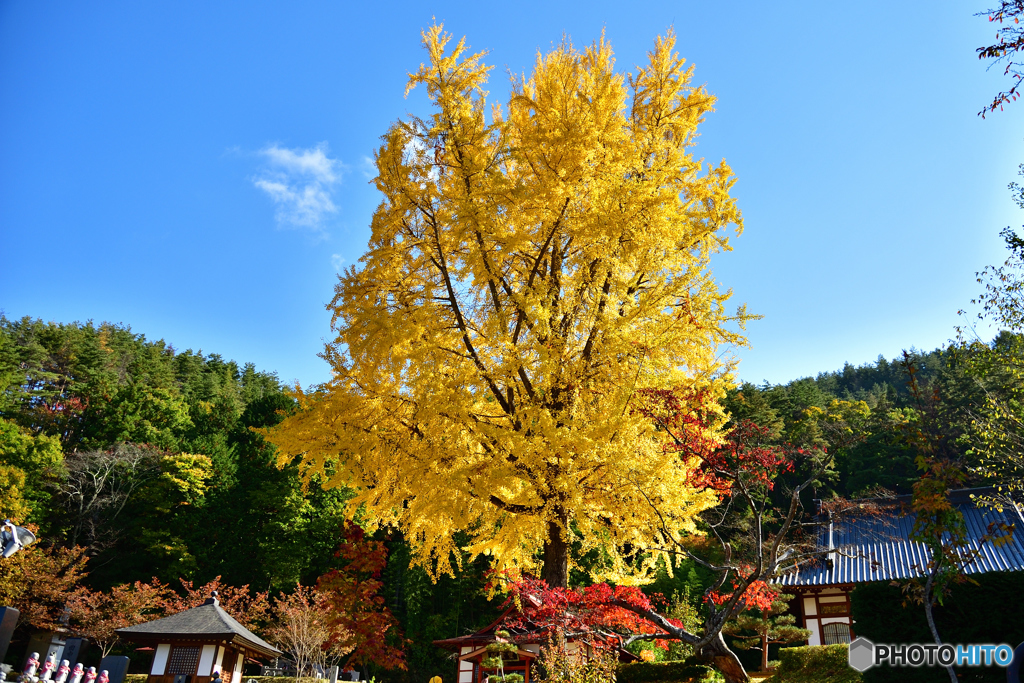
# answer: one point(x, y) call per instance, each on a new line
point(38, 581)
point(249, 609)
point(743, 471)
point(359, 618)
point(302, 627)
point(97, 615)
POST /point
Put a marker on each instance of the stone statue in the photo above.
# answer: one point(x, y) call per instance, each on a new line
point(48, 666)
point(62, 671)
point(76, 673)
point(90, 675)
point(30, 667)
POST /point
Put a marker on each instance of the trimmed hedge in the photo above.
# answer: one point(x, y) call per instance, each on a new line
point(981, 612)
point(141, 678)
point(662, 672)
point(815, 664)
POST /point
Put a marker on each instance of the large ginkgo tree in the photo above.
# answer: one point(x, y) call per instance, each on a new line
point(535, 272)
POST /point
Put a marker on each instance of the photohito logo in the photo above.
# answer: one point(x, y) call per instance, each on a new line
point(864, 654)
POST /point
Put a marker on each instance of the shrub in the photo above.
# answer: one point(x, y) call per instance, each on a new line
point(815, 664)
point(141, 678)
point(272, 679)
point(557, 664)
point(662, 672)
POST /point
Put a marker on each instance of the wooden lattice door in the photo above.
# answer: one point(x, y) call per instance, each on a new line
point(227, 668)
point(184, 661)
point(835, 633)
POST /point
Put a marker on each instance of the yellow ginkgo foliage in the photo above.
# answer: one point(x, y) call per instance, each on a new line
point(535, 274)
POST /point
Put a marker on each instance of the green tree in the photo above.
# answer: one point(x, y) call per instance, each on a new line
point(760, 628)
point(164, 512)
point(29, 465)
point(995, 371)
point(429, 610)
point(748, 402)
point(882, 459)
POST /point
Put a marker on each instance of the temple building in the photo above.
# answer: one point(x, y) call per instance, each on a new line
point(471, 651)
point(191, 645)
point(872, 542)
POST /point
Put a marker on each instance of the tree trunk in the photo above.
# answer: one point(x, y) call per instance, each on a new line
point(931, 618)
point(725, 660)
point(556, 558)
point(764, 653)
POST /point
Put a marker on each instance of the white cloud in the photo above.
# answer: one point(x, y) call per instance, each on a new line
point(300, 183)
point(337, 260)
point(312, 162)
point(368, 167)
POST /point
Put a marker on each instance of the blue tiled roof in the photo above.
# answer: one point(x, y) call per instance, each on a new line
point(878, 547)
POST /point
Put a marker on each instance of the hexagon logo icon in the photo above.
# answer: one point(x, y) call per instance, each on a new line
point(862, 654)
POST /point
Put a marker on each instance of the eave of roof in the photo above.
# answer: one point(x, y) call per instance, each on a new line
point(486, 635)
point(866, 548)
point(518, 636)
point(208, 621)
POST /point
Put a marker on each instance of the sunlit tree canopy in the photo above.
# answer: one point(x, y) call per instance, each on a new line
point(532, 268)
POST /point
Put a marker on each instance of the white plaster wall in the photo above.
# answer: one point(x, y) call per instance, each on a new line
point(206, 660)
point(219, 660)
point(812, 626)
point(832, 598)
point(810, 609)
point(160, 659)
point(466, 667)
point(237, 673)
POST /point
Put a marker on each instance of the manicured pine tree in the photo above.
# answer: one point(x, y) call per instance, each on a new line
point(759, 628)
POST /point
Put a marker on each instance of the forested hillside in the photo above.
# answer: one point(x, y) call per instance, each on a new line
point(144, 456)
point(864, 414)
point(144, 460)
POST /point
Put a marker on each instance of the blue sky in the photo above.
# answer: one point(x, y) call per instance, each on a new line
point(199, 170)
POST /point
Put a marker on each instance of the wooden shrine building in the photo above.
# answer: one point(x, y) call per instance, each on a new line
point(471, 651)
point(191, 645)
point(863, 546)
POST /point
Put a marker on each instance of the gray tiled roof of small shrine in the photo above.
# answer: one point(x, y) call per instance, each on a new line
point(878, 547)
point(209, 619)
